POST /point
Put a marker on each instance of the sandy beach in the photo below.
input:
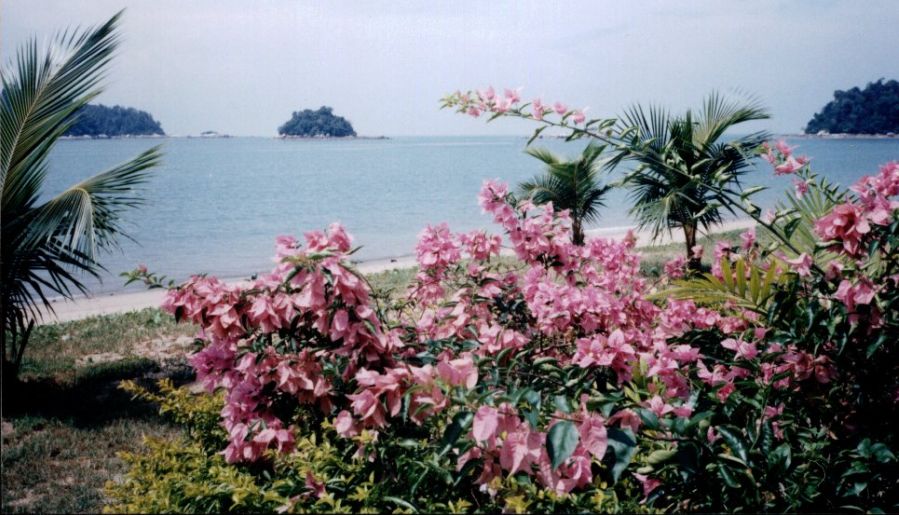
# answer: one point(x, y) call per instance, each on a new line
point(105, 304)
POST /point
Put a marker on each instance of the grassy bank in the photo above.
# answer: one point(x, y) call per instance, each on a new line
point(65, 424)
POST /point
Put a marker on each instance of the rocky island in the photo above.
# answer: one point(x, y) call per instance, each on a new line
point(873, 110)
point(100, 121)
point(322, 123)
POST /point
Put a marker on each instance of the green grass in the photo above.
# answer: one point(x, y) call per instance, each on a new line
point(392, 282)
point(69, 421)
point(65, 436)
point(653, 259)
point(51, 466)
point(54, 349)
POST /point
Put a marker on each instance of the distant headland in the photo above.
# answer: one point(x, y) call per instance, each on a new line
point(322, 123)
point(100, 121)
point(873, 110)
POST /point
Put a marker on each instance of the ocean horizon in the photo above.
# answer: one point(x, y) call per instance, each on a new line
point(216, 205)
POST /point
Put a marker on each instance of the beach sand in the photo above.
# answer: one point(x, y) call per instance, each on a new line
point(105, 304)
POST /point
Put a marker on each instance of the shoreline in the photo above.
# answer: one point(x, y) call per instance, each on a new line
point(838, 135)
point(123, 302)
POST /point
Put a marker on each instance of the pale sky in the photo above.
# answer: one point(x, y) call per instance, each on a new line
point(242, 67)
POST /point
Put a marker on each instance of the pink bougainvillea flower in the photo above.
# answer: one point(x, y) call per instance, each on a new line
point(578, 116)
point(316, 487)
point(560, 108)
point(649, 484)
point(748, 238)
point(521, 449)
point(852, 295)
point(676, 267)
point(594, 437)
point(485, 424)
point(791, 165)
point(784, 149)
point(537, 109)
point(802, 265)
point(845, 224)
point(743, 350)
point(801, 188)
point(345, 425)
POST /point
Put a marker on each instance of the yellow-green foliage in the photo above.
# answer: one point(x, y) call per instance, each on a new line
point(189, 475)
point(181, 476)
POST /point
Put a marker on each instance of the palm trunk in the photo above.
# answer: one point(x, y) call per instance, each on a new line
point(577, 232)
point(693, 263)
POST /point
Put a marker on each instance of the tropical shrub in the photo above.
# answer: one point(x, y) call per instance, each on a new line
point(565, 382)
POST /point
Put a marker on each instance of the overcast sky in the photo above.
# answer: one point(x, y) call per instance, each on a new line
point(242, 67)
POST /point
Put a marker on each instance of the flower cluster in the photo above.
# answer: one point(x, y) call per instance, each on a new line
point(782, 158)
point(488, 101)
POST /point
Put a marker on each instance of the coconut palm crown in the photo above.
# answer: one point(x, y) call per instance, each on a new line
point(570, 184)
point(48, 246)
point(684, 166)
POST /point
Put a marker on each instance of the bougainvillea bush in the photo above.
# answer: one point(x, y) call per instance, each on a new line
point(564, 382)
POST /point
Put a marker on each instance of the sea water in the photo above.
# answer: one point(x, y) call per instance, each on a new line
point(216, 205)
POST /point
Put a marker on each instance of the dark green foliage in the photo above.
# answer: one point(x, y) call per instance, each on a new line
point(321, 123)
point(873, 110)
point(100, 120)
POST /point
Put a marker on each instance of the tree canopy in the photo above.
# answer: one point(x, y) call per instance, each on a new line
point(100, 120)
point(323, 122)
point(873, 110)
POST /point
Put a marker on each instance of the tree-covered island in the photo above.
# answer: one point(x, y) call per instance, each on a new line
point(322, 123)
point(97, 120)
point(872, 110)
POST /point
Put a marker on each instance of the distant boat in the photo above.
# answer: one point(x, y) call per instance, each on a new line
point(213, 134)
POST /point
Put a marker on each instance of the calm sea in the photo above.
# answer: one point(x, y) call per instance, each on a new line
point(216, 205)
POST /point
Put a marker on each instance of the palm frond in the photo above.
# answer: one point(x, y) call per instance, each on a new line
point(46, 249)
point(743, 284)
point(40, 100)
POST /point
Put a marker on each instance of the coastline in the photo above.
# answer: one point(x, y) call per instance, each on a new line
point(838, 135)
point(113, 303)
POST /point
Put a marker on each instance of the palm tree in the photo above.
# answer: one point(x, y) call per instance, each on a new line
point(684, 167)
point(571, 185)
point(48, 246)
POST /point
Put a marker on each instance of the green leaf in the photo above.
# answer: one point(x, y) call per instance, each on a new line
point(561, 441)
point(624, 447)
point(751, 191)
point(561, 403)
point(401, 503)
point(736, 443)
point(728, 477)
point(876, 345)
point(780, 459)
point(660, 456)
point(791, 226)
point(460, 424)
